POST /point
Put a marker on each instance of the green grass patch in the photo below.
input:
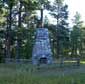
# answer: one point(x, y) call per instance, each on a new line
point(25, 78)
point(28, 74)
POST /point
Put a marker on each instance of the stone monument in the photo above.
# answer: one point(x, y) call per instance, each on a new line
point(42, 53)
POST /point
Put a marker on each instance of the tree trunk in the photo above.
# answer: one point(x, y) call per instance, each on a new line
point(41, 17)
point(18, 38)
point(8, 35)
point(58, 41)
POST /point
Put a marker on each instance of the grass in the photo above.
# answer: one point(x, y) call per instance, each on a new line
point(51, 74)
point(29, 79)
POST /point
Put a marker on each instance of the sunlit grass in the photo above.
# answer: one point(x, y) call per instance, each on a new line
point(82, 62)
point(69, 61)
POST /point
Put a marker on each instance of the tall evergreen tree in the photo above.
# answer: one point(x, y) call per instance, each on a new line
point(76, 33)
point(76, 41)
point(8, 6)
point(60, 13)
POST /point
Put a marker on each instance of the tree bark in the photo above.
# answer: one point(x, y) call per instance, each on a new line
point(41, 17)
point(8, 34)
point(18, 38)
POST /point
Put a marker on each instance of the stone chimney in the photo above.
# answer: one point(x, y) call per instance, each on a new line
point(42, 53)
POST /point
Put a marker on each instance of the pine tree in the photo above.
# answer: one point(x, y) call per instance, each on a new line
point(60, 13)
point(76, 41)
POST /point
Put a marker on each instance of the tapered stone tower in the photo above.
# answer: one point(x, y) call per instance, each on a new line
point(42, 53)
